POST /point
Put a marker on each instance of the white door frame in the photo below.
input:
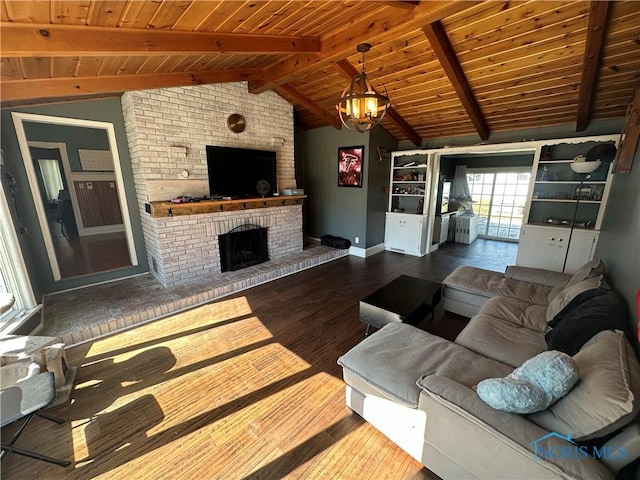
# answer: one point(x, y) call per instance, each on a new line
point(18, 119)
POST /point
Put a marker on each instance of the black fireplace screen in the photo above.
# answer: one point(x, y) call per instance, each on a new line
point(243, 247)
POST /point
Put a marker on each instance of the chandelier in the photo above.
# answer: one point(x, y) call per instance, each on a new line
point(360, 105)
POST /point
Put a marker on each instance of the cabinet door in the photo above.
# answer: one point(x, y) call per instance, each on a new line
point(542, 248)
point(403, 233)
point(441, 229)
point(581, 249)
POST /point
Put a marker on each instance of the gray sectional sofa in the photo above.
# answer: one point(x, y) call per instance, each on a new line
point(418, 389)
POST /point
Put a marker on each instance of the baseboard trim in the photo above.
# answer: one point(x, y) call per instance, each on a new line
point(366, 252)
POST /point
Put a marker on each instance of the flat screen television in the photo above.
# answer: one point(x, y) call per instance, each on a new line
point(236, 172)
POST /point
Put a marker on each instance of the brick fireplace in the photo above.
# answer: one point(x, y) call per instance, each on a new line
point(168, 130)
point(188, 245)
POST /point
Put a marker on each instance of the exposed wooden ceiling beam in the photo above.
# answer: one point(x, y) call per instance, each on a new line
point(374, 28)
point(348, 71)
point(598, 14)
point(451, 65)
point(34, 40)
point(291, 94)
point(401, 3)
point(34, 102)
point(13, 90)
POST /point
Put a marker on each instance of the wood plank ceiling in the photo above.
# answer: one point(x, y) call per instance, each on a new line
point(450, 68)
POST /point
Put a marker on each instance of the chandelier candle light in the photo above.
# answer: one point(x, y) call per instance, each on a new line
point(360, 105)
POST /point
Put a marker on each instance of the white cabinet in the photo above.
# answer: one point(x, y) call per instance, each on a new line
point(560, 198)
point(406, 233)
point(546, 247)
point(441, 228)
point(582, 249)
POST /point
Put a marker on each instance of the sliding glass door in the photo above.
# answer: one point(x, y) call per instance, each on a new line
point(499, 197)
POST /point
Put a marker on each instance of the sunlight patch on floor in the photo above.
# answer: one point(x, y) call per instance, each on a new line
point(253, 386)
point(250, 378)
point(205, 315)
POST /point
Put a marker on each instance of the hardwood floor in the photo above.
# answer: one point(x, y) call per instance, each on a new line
point(91, 254)
point(243, 388)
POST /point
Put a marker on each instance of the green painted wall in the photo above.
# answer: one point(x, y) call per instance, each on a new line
point(600, 127)
point(344, 211)
point(32, 243)
point(378, 191)
point(74, 137)
point(448, 163)
point(619, 242)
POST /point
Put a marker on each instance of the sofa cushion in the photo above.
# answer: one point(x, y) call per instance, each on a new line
point(537, 275)
point(591, 269)
point(569, 293)
point(494, 284)
point(517, 312)
point(606, 397)
point(395, 357)
point(532, 387)
point(501, 340)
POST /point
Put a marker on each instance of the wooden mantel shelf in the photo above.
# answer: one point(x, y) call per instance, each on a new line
point(168, 209)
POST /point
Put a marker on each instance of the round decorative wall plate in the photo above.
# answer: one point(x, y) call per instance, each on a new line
point(236, 123)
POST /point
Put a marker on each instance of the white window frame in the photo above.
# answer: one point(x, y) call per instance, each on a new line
point(14, 273)
point(496, 170)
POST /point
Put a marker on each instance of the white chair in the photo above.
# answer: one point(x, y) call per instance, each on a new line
point(24, 400)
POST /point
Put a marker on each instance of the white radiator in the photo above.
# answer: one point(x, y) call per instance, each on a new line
point(466, 228)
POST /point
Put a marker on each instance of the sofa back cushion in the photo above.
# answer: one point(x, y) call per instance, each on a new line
point(591, 269)
point(569, 293)
point(607, 396)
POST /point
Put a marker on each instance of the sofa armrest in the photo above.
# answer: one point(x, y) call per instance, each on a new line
point(493, 431)
point(537, 275)
point(628, 441)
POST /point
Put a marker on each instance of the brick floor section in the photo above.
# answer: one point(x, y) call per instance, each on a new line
point(88, 313)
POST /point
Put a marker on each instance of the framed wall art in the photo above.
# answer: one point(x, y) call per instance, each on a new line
point(350, 161)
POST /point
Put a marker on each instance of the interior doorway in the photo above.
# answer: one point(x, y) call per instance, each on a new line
point(76, 184)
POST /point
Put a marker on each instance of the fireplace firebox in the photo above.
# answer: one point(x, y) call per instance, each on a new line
point(243, 247)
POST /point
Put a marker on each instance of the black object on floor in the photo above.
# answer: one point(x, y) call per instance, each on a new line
point(335, 242)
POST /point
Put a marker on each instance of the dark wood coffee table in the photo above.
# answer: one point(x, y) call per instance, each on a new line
point(405, 299)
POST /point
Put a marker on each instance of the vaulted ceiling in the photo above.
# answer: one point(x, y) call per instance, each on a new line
point(450, 68)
